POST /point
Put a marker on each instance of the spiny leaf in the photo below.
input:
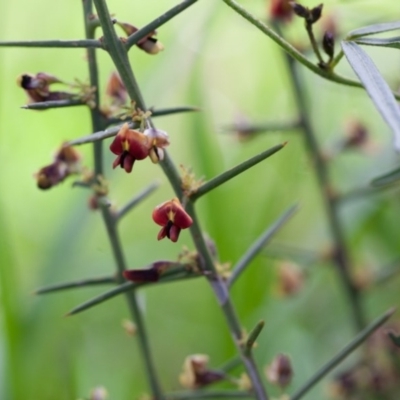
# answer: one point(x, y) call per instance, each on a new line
point(376, 87)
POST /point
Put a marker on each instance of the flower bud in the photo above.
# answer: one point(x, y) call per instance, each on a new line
point(281, 10)
point(328, 44)
point(280, 371)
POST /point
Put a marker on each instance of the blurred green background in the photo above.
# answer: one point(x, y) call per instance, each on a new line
point(217, 61)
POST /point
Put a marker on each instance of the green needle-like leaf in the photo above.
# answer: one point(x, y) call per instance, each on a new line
point(374, 29)
point(77, 284)
point(253, 336)
point(175, 274)
point(390, 42)
point(376, 87)
point(161, 20)
point(126, 286)
point(387, 179)
point(259, 244)
point(73, 44)
point(45, 105)
point(231, 173)
point(137, 199)
point(357, 341)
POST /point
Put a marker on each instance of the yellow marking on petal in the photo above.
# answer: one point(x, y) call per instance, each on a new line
point(125, 145)
point(171, 215)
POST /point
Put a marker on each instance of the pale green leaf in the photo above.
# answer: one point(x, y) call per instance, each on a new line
point(389, 42)
point(376, 87)
point(374, 29)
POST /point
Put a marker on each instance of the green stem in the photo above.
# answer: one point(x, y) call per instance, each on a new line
point(225, 302)
point(345, 352)
point(161, 20)
point(45, 105)
point(341, 257)
point(289, 49)
point(314, 44)
point(73, 44)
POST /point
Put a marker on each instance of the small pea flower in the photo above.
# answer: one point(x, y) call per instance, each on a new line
point(196, 373)
point(67, 161)
point(129, 145)
point(116, 90)
point(150, 44)
point(172, 217)
point(280, 371)
point(158, 140)
point(37, 87)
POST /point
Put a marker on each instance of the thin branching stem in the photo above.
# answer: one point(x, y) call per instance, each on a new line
point(60, 44)
point(83, 283)
point(136, 200)
point(161, 20)
point(108, 218)
point(119, 56)
point(293, 52)
point(45, 105)
point(345, 352)
point(258, 245)
point(341, 256)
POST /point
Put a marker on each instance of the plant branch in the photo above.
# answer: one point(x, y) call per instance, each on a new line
point(45, 105)
point(253, 335)
point(258, 245)
point(72, 44)
point(231, 173)
point(161, 20)
point(346, 351)
point(341, 257)
point(225, 302)
point(77, 284)
point(293, 52)
point(108, 218)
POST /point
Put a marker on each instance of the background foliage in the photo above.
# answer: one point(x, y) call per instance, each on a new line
point(217, 61)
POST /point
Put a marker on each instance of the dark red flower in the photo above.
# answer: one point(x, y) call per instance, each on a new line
point(129, 145)
point(172, 217)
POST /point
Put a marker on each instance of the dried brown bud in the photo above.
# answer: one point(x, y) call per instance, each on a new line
point(149, 43)
point(328, 44)
point(196, 374)
point(51, 175)
point(116, 90)
point(315, 14)
point(280, 371)
point(291, 278)
point(311, 16)
point(357, 134)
